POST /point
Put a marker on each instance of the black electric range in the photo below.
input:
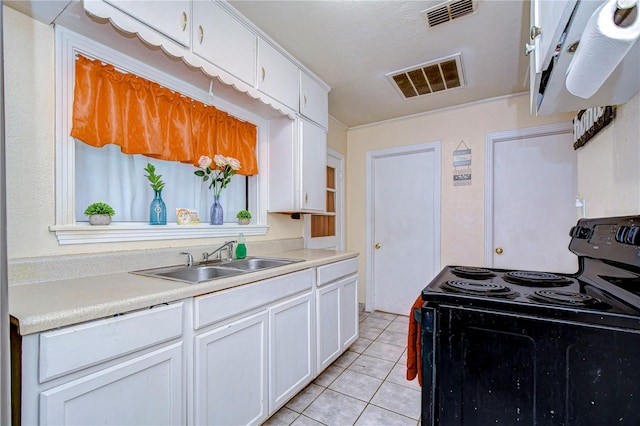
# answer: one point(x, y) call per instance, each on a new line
point(534, 347)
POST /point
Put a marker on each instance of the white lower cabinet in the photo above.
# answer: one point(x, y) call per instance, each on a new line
point(337, 310)
point(146, 390)
point(127, 369)
point(230, 369)
point(292, 347)
point(231, 357)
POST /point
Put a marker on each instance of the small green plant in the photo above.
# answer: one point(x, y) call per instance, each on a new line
point(99, 208)
point(243, 214)
point(155, 182)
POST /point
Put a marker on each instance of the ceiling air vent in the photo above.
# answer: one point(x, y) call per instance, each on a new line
point(430, 77)
point(448, 11)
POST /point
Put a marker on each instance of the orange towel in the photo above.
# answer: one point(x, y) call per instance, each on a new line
point(414, 360)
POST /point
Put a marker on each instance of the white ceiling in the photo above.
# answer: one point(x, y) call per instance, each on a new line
point(351, 45)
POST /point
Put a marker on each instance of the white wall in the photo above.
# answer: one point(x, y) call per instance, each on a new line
point(462, 214)
point(609, 165)
point(30, 124)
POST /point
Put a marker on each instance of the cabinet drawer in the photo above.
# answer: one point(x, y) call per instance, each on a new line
point(225, 304)
point(74, 348)
point(333, 271)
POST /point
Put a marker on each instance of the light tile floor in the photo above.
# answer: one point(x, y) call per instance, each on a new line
point(365, 386)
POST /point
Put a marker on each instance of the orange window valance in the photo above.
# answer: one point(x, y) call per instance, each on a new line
point(142, 117)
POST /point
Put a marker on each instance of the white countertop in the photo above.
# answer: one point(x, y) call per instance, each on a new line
point(47, 305)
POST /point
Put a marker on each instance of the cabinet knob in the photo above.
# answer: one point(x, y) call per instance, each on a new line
point(201, 31)
point(535, 32)
point(378, 245)
point(304, 100)
point(499, 250)
point(306, 197)
point(263, 73)
point(184, 20)
point(528, 48)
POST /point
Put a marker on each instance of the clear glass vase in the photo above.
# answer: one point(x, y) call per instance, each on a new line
point(158, 210)
point(216, 214)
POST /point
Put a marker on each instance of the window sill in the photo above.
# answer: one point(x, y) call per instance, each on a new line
point(83, 233)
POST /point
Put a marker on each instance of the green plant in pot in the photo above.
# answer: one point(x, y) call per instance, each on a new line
point(244, 217)
point(99, 213)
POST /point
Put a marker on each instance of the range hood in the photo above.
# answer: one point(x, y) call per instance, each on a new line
point(550, 94)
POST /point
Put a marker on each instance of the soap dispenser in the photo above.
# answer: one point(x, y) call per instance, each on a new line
point(241, 249)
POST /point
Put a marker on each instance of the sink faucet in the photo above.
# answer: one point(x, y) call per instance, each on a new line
point(228, 245)
point(189, 258)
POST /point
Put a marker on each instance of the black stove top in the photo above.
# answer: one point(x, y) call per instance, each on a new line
point(605, 290)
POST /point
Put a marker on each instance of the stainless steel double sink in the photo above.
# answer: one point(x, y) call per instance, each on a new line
point(212, 270)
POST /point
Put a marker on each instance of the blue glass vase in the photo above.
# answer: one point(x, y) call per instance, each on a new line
point(216, 214)
point(158, 210)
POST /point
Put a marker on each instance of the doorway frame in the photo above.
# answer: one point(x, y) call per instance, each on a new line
point(371, 156)
point(490, 140)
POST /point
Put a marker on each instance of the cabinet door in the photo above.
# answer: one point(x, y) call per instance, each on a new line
point(348, 312)
point(313, 164)
point(172, 19)
point(328, 325)
point(278, 77)
point(291, 349)
point(230, 375)
point(145, 390)
point(314, 100)
point(223, 40)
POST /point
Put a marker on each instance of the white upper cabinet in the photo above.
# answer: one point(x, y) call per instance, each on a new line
point(314, 100)
point(548, 19)
point(222, 39)
point(278, 77)
point(313, 164)
point(173, 18)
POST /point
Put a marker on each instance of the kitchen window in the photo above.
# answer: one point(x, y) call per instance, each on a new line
point(85, 174)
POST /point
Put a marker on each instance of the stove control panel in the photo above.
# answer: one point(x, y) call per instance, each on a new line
point(613, 238)
point(628, 235)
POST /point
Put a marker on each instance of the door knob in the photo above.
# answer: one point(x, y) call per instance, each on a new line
point(499, 250)
point(378, 245)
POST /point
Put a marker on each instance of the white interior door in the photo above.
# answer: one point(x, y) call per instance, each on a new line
point(532, 186)
point(403, 233)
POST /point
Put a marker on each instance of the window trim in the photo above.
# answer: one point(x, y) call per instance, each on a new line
point(67, 230)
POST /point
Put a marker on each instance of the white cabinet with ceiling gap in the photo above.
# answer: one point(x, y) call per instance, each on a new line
point(314, 100)
point(172, 19)
point(297, 166)
point(278, 77)
point(125, 369)
point(222, 39)
point(291, 349)
point(336, 310)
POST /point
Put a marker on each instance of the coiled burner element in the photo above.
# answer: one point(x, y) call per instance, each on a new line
point(566, 298)
point(472, 272)
point(536, 279)
point(490, 289)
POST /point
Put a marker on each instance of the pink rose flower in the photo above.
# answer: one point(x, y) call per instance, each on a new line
point(220, 160)
point(204, 162)
point(233, 163)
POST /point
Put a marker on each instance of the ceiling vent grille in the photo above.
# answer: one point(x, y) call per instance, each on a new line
point(430, 77)
point(448, 11)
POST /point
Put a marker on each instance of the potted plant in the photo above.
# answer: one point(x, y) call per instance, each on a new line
point(158, 209)
point(244, 217)
point(99, 213)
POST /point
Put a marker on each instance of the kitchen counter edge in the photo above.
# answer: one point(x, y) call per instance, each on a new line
point(44, 306)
